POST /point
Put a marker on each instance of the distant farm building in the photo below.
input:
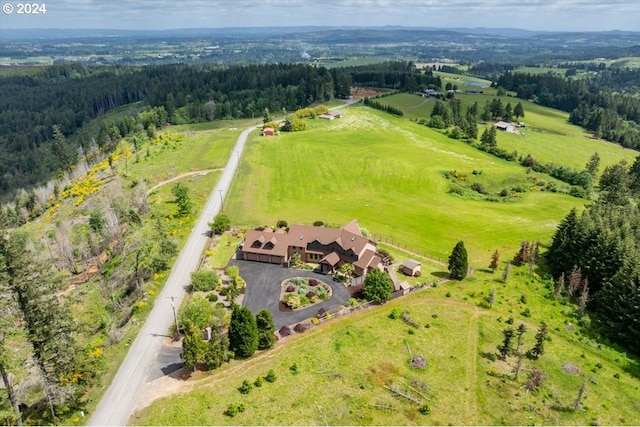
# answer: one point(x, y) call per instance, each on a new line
point(505, 126)
point(329, 248)
point(330, 115)
point(432, 93)
point(268, 132)
point(411, 268)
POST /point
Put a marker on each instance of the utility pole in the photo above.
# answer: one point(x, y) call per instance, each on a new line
point(175, 316)
point(221, 202)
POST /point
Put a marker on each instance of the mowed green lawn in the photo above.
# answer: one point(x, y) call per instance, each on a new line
point(387, 173)
point(548, 136)
point(345, 368)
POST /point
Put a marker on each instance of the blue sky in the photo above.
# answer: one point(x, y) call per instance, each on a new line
point(551, 15)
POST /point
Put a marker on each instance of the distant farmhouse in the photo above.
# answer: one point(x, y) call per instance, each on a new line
point(432, 93)
point(327, 247)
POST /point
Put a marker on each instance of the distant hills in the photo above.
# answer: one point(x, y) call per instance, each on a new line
point(58, 33)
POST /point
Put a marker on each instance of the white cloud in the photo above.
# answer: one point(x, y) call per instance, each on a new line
point(165, 14)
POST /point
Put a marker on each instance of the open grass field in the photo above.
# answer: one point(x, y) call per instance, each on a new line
point(541, 70)
point(349, 62)
point(388, 173)
point(346, 366)
point(548, 136)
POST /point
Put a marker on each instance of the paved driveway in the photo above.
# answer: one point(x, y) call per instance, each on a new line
point(263, 291)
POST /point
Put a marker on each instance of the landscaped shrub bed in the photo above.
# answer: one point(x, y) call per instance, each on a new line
point(301, 292)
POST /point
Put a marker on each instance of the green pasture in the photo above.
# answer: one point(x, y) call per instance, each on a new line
point(345, 368)
point(541, 70)
point(628, 62)
point(188, 151)
point(389, 174)
point(548, 136)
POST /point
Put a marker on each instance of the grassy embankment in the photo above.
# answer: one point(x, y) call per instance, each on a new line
point(345, 366)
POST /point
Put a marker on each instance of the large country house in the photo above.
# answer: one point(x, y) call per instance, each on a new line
point(329, 248)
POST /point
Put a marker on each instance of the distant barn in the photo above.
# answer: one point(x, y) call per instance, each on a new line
point(505, 126)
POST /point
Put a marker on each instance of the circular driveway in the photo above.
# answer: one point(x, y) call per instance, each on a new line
point(263, 291)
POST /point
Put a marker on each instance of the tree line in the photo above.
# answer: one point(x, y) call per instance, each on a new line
point(601, 246)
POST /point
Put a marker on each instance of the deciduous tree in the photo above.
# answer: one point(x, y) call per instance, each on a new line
point(183, 200)
point(220, 224)
point(377, 286)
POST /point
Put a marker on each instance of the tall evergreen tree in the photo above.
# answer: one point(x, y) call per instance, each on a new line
point(486, 112)
point(505, 347)
point(518, 111)
point(562, 253)
point(634, 177)
point(593, 165)
point(615, 184)
point(194, 348)
point(47, 320)
point(458, 262)
point(7, 321)
point(266, 329)
point(541, 337)
point(508, 112)
point(523, 254)
point(243, 332)
point(488, 138)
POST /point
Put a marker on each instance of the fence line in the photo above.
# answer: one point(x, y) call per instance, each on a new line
point(402, 247)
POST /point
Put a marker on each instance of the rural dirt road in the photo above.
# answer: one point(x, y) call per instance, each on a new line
point(121, 398)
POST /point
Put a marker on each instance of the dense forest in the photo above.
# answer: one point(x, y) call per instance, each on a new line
point(605, 103)
point(42, 109)
point(599, 251)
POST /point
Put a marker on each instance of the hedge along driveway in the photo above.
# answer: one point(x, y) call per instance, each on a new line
point(263, 291)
